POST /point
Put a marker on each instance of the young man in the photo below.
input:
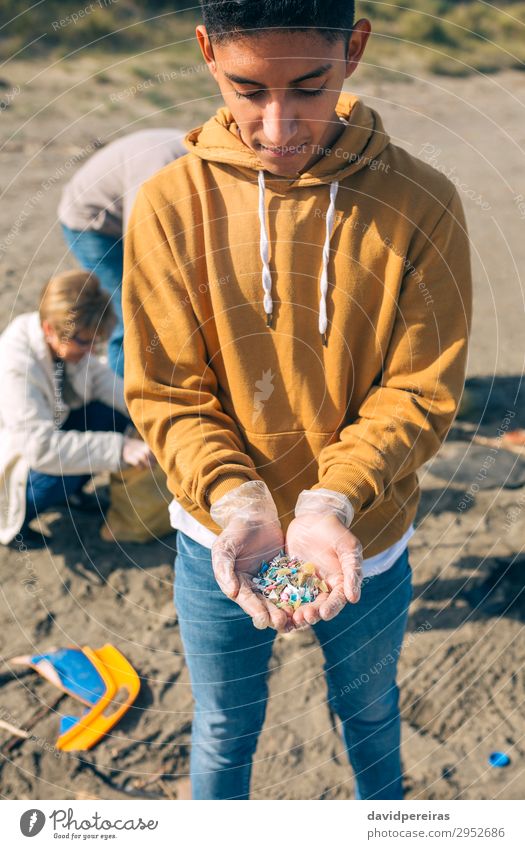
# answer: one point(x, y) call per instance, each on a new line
point(297, 306)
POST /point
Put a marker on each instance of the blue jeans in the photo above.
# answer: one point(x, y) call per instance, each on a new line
point(228, 663)
point(44, 491)
point(103, 255)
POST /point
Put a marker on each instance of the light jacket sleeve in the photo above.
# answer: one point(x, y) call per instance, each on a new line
point(45, 448)
point(405, 417)
point(169, 386)
point(106, 386)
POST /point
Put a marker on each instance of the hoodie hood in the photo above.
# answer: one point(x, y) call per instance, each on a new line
point(362, 140)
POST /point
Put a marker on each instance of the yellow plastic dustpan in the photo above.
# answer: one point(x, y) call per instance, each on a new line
point(102, 679)
point(122, 688)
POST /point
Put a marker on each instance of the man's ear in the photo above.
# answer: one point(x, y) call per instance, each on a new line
point(206, 49)
point(46, 327)
point(356, 45)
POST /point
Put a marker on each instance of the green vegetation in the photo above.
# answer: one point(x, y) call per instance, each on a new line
point(445, 36)
point(453, 37)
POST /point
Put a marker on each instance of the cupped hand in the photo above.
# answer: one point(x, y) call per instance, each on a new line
point(337, 555)
point(237, 554)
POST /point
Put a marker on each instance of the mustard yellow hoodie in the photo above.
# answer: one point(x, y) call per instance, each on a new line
point(367, 252)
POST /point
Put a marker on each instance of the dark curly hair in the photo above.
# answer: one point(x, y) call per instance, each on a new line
point(226, 19)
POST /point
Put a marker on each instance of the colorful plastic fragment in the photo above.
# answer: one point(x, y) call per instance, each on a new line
point(499, 759)
point(288, 583)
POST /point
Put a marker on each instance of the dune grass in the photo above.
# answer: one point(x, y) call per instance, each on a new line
point(447, 37)
point(452, 37)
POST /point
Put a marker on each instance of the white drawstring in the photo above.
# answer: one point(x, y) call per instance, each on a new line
point(330, 217)
point(264, 249)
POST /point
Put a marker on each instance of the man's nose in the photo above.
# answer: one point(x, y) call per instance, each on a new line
point(279, 124)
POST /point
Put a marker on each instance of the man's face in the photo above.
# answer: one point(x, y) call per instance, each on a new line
point(282, 89)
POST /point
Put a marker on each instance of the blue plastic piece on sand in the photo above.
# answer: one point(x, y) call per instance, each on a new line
point(499, 759)
point(67, 722)
point(76, 672)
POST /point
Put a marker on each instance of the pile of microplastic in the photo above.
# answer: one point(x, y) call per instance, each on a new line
point(288, 583)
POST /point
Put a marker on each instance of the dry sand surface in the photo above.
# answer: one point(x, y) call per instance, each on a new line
point(461, 674)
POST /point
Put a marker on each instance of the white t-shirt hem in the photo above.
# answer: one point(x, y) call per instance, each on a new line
point(183, 521)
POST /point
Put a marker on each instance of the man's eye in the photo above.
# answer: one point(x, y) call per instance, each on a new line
point(249, 95)
point(310, 92)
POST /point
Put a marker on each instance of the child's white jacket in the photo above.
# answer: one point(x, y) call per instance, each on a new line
point(31, 413)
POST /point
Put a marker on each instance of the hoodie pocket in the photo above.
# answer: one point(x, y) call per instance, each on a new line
point(288, 462)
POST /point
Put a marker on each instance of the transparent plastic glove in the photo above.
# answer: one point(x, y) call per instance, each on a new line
point(319, 533)
point(136, 453)
point(252, 533)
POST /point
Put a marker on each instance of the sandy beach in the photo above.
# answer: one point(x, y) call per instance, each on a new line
point(461, 675)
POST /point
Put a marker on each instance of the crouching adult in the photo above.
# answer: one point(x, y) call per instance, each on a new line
point(63, 414)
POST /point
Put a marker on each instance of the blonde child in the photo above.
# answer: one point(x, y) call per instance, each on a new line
point(63, 412)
